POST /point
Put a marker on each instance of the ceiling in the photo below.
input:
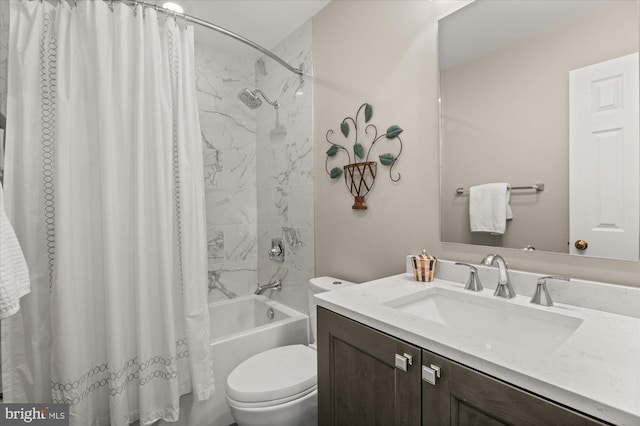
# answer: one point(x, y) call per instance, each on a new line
point(265, 22)
point(500, 23)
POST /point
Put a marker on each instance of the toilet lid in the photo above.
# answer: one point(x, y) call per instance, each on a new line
point(273, 374)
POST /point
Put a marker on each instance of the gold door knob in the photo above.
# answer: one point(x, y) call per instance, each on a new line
point(581, 244)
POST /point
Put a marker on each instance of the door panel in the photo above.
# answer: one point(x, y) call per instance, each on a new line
point(605, 159)
point(361, 382)
point(358, 383)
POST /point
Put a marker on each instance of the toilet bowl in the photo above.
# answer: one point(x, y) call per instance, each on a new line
point(275, 387)
point(279, 386)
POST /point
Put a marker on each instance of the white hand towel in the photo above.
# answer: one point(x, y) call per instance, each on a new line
point(14, 274)
point(489, 207)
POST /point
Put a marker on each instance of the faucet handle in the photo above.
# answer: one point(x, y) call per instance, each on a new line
point(542, 296)
point(473, 282)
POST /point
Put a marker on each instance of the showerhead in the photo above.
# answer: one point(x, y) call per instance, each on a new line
point(250, 98)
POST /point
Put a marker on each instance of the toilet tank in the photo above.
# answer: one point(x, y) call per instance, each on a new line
point(320, 285)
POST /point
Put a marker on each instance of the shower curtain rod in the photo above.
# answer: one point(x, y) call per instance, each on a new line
point(219, 29)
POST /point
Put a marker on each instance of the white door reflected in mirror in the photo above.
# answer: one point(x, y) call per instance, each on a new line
point(604, 159)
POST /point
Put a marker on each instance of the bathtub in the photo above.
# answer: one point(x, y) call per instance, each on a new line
point(241, 327)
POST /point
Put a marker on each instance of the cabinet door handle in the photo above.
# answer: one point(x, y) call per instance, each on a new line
point(403, 361)
point(430, 374)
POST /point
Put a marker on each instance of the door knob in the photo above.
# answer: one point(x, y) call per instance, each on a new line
point(581, 244)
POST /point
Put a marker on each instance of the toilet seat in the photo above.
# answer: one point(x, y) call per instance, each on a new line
point(273, 377)
point(309, 393)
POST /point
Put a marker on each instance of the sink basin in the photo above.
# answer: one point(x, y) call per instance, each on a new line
point(490, 321)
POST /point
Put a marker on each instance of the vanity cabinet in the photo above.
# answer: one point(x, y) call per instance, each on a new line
point(462, 396)
point(359, 384)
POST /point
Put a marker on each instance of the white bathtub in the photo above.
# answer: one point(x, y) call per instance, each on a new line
point(246, 315)
point(240, 328)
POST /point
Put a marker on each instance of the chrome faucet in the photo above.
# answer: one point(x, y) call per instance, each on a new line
point(504, 287)
point(542, 296)
point(275, 285)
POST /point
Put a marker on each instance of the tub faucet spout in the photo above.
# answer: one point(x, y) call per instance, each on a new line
point(275, 285)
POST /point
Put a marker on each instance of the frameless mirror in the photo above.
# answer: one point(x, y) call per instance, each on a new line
point(543, 92)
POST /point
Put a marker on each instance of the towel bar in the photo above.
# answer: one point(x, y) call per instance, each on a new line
point(538, 187)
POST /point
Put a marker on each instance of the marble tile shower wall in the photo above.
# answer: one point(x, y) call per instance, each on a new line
point(229, 147)
point(250, 202)
point(285, 170)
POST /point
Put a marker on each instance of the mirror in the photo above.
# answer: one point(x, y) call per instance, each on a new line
point(506, 69)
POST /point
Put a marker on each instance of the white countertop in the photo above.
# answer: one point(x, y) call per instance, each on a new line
point(595, 371)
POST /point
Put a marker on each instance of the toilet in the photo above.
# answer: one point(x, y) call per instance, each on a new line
point(279, 386)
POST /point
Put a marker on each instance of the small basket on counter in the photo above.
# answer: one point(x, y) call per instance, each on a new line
point(424, 266)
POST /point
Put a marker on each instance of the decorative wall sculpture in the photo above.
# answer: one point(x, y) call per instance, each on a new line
point(360, 174)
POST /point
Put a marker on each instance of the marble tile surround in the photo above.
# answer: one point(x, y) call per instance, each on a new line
point(229, 140)
point(249, 202)
point(285, 170)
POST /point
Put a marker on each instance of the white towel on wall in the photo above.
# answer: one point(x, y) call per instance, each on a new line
point(14, 274)
point(489, 207)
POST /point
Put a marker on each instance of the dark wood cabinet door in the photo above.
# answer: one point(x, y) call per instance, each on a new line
point(358, 382)
point(462, 396)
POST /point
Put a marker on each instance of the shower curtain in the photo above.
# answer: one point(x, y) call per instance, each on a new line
point(104, 187)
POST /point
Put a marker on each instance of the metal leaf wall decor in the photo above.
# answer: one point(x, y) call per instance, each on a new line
point(360, 174)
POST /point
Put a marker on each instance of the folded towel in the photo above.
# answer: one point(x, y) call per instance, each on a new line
point(14, 274)
point(489, 208)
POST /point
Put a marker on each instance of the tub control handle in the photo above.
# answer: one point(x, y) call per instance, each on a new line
point(277, 250)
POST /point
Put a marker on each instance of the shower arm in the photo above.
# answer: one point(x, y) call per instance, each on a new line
point(269, 101)
point(219, 29)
